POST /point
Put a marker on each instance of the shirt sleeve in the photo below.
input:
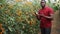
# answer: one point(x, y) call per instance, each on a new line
point(51, 11)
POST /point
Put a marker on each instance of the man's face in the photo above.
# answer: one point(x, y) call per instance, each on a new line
point(43, 3)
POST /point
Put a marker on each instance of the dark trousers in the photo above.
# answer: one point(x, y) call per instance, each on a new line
point(45, 30)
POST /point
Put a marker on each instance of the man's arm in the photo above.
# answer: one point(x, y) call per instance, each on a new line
point(48, 17)
point(51, 12)
point(37, 16)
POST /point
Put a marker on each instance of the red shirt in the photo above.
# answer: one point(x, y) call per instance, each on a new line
point(44, 22)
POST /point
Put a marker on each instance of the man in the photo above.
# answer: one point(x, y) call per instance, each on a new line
point(45, 16)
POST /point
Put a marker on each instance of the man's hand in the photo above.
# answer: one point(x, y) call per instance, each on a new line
point(39, 14)
point(36, 14)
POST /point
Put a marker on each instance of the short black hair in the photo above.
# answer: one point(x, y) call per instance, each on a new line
point(43, 0)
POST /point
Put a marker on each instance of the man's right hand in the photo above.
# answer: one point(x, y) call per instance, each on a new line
point(36, 14)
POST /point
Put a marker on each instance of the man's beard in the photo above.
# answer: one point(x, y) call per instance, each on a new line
point(43, 6)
